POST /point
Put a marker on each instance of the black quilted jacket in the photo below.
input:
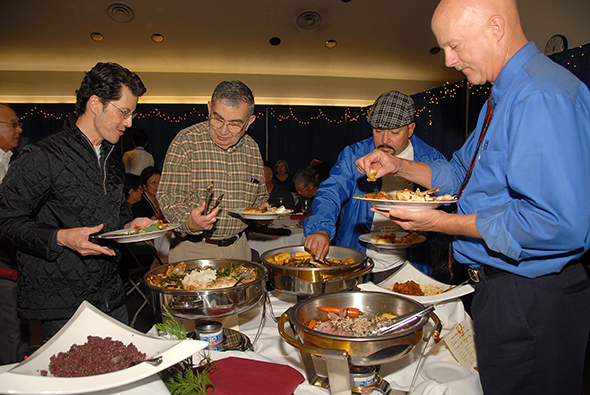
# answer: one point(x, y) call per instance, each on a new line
point(54, 184)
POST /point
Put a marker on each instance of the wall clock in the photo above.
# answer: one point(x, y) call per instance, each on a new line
point(556, 44)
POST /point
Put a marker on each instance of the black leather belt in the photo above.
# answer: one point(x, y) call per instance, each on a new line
point(476, 275)
point(218, 242)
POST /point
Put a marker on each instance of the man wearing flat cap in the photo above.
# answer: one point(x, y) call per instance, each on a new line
point(392, 119)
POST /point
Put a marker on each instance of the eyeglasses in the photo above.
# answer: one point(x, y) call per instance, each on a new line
point(232, 126)
point(14, 124)
point(126, 113)
point(302, 189)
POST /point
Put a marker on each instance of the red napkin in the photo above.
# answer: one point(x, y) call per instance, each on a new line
point(232, 376)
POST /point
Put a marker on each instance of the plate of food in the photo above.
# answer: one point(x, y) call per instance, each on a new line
point(149, 232)
point(261, 214)
point(412, 283)
point(407, 199)
point(36, 375)
point(394, 240)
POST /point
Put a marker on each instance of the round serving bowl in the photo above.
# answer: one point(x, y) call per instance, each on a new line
point(310, 281)
point(361, 351)
point(211, 303)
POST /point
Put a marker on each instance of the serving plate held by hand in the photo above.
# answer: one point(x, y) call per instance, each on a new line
point(259, 216)
point(409, 272)
point(366, 238)
point(25, 378)
point(386, 205)
point(123, 236)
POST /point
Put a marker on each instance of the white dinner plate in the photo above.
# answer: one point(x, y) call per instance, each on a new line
point(122, 236)
point(25, 378)
point(409, 272)
point(259, 216)
point(386, 205)
point(443, 372)
point(366, 238)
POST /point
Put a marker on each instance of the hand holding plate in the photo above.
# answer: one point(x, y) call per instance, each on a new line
point(77, 239)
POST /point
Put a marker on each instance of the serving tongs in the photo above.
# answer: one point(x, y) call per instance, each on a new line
point(388, 326)
point(208, 195)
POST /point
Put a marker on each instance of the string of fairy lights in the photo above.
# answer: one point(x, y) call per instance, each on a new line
point(432, 97)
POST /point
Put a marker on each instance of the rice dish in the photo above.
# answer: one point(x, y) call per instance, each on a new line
point(199, 279)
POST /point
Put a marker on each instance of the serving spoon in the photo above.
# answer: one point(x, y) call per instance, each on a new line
point(244, 274)
point(388, 326)
point(122, 358)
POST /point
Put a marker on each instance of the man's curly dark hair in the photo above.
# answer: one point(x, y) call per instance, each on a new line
point(105, 80)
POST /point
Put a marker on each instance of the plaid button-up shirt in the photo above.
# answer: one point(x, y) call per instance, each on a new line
point(193, 161)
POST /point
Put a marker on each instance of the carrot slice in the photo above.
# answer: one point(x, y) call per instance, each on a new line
point(352, 312)
point(312, 324)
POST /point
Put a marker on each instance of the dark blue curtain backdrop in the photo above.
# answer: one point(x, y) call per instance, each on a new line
point(297, 134)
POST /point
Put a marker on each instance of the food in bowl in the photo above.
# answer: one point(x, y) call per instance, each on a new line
point(97, 356)
point(411, 196)
point(191, 278)
point(348, 322)
point(306, 259)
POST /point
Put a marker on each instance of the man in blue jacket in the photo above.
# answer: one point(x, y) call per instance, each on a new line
point(392, 119)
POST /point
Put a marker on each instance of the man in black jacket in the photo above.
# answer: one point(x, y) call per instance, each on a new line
point(63, 189)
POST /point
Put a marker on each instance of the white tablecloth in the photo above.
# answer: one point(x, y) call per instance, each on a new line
point(263, 242)
point(270, 347)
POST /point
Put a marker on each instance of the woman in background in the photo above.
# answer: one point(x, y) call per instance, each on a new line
point(282, 175)
point(149, 206)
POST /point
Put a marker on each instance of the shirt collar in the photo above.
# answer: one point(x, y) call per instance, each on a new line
point(5, 155)
point(511, 68)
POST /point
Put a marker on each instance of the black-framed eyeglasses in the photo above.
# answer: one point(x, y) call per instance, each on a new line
point(14, 124)
point(126, 113)
point(232, 126)
point(302, 189)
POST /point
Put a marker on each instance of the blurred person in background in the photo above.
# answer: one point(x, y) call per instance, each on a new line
point(149, 206)
point(138, 158)
point(14, 333)
point(282, 175)
point(278, 195)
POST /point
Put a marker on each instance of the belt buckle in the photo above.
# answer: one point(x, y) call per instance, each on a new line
point(474, 275)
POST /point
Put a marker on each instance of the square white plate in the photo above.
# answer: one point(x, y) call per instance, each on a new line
point(409, 272)
point(25, 378)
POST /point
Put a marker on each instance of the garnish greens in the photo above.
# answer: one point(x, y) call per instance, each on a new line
point(188, 382)
point(172, 327)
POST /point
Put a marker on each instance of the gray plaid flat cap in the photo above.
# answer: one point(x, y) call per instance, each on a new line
point(391, 110)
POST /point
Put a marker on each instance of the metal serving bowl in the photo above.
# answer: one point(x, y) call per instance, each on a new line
point(309, 281)
point(211, 303)
point(361, 351)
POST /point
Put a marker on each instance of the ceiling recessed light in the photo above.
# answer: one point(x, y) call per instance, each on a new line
point(331, 43)
point(96, 36)
point(434, 50)
point(274, 41)
point(157, 38)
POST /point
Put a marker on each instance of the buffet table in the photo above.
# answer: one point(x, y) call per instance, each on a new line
point(262, 242)
point(270, 347)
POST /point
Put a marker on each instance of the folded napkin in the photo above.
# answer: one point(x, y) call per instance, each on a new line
point(233, 375)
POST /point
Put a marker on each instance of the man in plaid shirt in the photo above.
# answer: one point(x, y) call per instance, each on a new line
point(216, 151)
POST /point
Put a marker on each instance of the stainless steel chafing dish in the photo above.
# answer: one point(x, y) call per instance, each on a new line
point(211, 303)
point(310, 281)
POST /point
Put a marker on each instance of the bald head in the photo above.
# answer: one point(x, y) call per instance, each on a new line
point(9, 134)
point(478, 36)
